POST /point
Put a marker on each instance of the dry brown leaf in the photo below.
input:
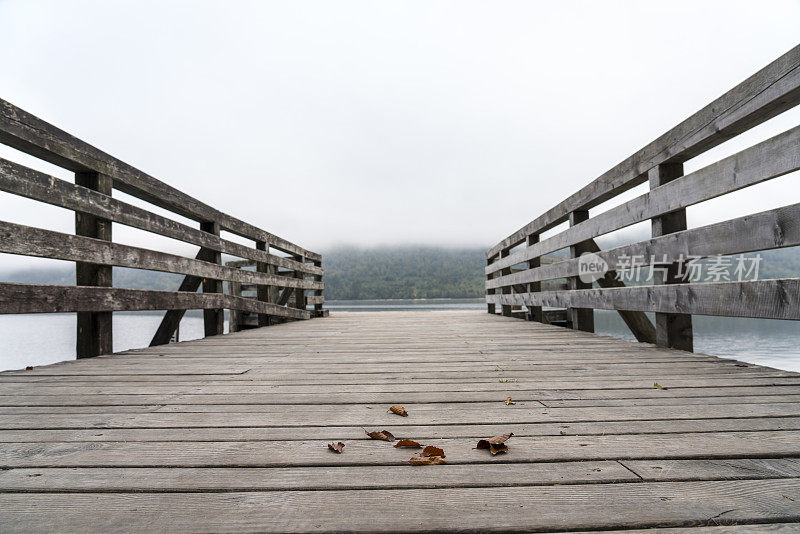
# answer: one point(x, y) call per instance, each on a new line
point(509, 402)
point(399, 410)
point(427, 460)
point(494, 449)
point(383, 435)
point(430, 450)
point(408, 443)
point(336, 447)
point(495, 444)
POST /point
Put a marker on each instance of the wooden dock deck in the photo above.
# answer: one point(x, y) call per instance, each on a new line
point(230, 433)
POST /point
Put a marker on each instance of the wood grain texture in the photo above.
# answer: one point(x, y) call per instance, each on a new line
point(28, 133)
point(767, 93)
point(765, 299)
point(31, 298)
point(769, 159)
point(231, 432)
point(537, 508)
point(766, 230)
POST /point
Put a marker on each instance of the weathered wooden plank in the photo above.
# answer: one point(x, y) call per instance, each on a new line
point(31, 298)
point(765, 299)
point(28, 133)
point(194, 479)
point(371, 452)
point(769, 159)
point(767, 93)
point(433, 510)
point(359, 416)
point(238, 406)
point(728, 469)
point(772, 528)
point(114, 371)
point(160, 420)
point(545, 365)
point(209, 386)
point(766, 230)
point(709, 395)
point(309, 478)
point(26, 182)
point(528, 377)
point(419, 432)
point(30, 241)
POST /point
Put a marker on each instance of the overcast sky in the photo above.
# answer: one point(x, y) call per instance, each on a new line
point(371, 122)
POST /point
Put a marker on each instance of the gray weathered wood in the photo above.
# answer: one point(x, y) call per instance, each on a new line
point(94, 329)
point(769, 159)
point(673, 330)
point(31, 298)
point(236, 418)
point(579, 318)
point(30, 241)
point(550, 508)
point(765, 94)
point(213, 318)
point(766, 230)
point(26, 182)
point(764, 299)
point(30, 134)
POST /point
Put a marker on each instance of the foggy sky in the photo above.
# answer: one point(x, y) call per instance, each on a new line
point(426, 122)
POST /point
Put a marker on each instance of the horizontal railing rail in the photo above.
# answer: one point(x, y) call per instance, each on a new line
point(518, 266)
point(241, 319)
point(94, 298)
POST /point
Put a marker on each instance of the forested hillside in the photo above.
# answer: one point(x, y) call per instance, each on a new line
point(403, 273)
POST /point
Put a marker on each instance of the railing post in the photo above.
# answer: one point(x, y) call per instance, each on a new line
point(213, 320)
point(534, 312)
point(673, 330)
point(318, 292)
point(273, 293)
point(580, 318)
point(505, 290)
point(490, 308)
point(234, 316)
point(94, 328)
point(262, 292)
point(300, 293)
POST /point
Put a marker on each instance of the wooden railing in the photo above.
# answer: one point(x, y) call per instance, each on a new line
point(93, 298)
point(518, 265)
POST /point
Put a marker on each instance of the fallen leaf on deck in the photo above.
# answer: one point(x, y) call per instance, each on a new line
point(408, 443)
point(399, 410)
point(430, 450)
point(509, 402)
point(336, 447)
point(656, 385)
point(495, 444)
point(427, 460)
point(383, 435)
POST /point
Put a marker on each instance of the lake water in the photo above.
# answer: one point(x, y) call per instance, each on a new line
point(44, 339)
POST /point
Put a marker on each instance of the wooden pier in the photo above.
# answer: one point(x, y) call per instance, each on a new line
point(230, 433)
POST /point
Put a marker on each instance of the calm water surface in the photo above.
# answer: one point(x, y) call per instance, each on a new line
point(44, 339)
